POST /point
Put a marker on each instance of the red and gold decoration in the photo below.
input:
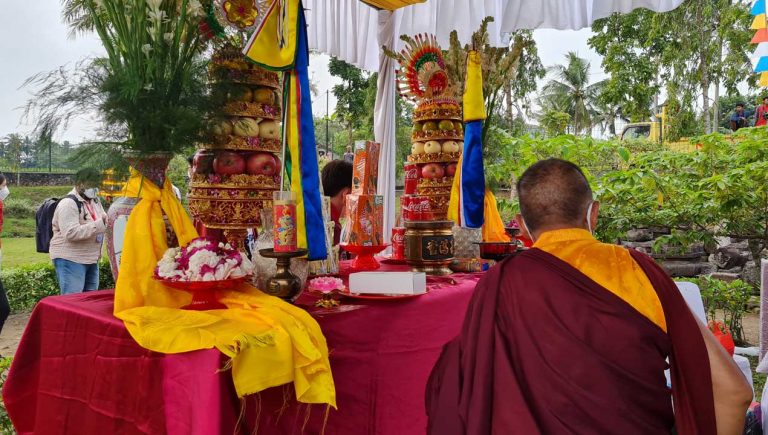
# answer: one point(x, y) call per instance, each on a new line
point(438, 133)
point(236, 172)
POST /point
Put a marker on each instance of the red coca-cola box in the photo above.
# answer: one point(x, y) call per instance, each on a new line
point(411, 178)
point(416, 208)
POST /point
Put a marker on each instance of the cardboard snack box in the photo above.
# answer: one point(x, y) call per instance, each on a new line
point(364, 220)
point(365, 168)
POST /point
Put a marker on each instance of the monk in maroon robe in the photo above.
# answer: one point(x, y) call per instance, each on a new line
point(550, 348)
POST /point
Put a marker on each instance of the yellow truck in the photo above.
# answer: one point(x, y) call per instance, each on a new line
point(656, 131)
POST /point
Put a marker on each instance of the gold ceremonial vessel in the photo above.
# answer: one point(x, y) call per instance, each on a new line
point(429, 246)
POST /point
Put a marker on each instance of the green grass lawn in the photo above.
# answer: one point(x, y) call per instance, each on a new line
point(20, 207)
point(21, 252)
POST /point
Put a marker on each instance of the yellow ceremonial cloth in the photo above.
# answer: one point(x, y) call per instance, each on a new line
point(474, 105)
point(263, 48)
point(270, 342)
point(391, 5)
point(493, 227)
point(611, 266)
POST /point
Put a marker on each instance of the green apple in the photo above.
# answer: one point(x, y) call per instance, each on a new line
point(450, 146)
point(429, 126)
point(445, 125)
point(417, 148)
point(226, 126)
point(246, 127)
point(416, 127)
point(432, 147)
point(458, 126)
point(269, 130)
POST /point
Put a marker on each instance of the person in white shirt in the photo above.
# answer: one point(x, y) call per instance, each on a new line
point(78, 235)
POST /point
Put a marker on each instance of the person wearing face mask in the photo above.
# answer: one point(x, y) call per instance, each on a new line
point(5, 308)
point(78, 235)
point(574, 335)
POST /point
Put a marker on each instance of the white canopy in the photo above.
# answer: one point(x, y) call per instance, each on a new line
point(355, 33)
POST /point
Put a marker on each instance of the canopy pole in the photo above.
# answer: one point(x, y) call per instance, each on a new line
point(384, 118)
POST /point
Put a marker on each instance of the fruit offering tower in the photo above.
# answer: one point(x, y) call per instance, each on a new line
point(236, 171)
point(438, 134)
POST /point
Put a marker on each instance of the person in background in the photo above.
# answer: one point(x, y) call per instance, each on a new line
point(761, 114)
point(349, 156)
point(739, 117)
point(78, 235)
point(337, 183)
point(5, 308)
point(573, 336)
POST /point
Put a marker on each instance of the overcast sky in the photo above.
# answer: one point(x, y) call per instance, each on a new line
point(33, 39)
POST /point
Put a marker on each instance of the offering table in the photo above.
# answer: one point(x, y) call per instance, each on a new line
point(77, 370)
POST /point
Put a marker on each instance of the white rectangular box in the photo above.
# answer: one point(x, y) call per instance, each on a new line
point(388, 283)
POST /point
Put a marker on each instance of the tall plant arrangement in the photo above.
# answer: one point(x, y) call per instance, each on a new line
point(149, 89)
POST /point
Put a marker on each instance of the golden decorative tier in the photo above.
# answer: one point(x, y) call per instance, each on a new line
point(239, 181)
point(216, 193)
point(255, 76)
point(437, 114)
point(232, 142)
point(232, 214)
point(434, 158)
point(422, 136)
point(446, 181)
point(252, 110)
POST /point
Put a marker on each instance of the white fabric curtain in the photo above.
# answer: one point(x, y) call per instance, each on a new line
point(355, 32)
point(570, 14)
point(384, 119)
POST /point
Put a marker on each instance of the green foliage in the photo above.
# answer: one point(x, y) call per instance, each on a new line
point(150, 88)
point(177, 173)
point(569, 91)
point(26, 285)
point(555, 122)
point(698, 46)
point(726, 302)
point(6, 426)
point(353, 104)
point(728, 104)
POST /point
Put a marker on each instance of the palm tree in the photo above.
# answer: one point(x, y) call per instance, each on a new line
point(569, 91)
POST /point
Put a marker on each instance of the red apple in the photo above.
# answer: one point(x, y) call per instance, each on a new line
point(202, 163)
point(450, 169)
point(228, 163)
point(263, 164)
point(432, 171)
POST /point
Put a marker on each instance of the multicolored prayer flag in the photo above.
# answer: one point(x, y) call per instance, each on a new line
point(280, 43)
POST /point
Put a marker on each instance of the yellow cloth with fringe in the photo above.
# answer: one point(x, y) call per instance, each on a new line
point(391, 5)
point(611, 266)
point(270, 342)
point(493, 227)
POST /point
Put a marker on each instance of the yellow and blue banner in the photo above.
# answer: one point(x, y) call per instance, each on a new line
point(472, 204)
point(280, 43)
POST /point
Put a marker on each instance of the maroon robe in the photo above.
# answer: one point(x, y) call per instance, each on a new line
point(544, 349)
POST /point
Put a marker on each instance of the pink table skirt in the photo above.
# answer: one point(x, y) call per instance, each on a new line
point(77, 370)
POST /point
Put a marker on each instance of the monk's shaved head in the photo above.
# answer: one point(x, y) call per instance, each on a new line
point(553, 192)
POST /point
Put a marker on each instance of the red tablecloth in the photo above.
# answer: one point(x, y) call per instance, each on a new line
point(77, 370)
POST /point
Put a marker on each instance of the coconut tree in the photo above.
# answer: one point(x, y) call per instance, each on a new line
point(569, 91)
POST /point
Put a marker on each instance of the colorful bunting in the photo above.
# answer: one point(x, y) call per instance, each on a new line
point(758, 23)
point(760, 56)
point(758, 7)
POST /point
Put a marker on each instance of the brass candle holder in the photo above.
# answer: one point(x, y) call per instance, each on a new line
point(283, 284)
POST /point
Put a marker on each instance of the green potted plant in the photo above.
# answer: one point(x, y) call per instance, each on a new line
point(149, 90)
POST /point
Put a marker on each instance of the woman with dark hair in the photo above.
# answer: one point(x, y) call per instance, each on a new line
point(5, 308)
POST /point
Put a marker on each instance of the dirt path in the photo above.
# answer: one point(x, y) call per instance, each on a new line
point(12, 330)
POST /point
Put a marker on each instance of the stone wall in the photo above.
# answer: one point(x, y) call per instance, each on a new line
point(729, 260)
point(39, 179)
